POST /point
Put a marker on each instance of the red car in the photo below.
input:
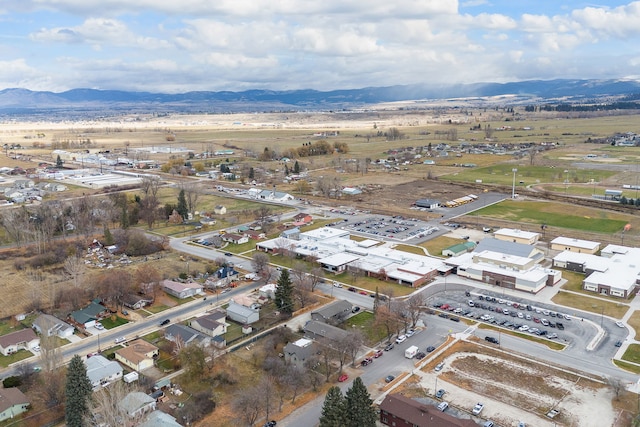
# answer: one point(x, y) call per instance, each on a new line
point(343, 378)
point(363, 293)
point(378, 354)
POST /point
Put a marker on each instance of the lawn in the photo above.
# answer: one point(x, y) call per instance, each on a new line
point(437, 245)
point(631, 367)
point(574, 282)
point(593, 305)
point(557, 215)
point(5, 361)
point(634, 322)
point(371, 283)
point(632, 354)
point(113, 322)
point(410, 249)
point(157, 308)
point(365, 321)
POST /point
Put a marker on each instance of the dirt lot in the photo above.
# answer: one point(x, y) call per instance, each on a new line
point(514, 388)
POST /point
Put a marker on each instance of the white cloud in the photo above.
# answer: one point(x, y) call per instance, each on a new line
point(622, 21)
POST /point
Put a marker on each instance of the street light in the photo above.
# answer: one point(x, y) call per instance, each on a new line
point(513, 188)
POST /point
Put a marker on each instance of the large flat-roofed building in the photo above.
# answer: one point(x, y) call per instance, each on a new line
point(517, 236)
point(615, 273)
point(574, 245)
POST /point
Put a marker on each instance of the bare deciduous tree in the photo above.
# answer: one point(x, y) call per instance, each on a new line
point(247, 403)
point(259, 262)
point(415, 306)
point(76, 269)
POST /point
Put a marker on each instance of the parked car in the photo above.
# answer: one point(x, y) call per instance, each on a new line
point(618, 343)
point(443, 406)
point(99, 326)
point(389, 378)
point(439, 367)
point(488, 424)
point(552, 336)
point(352, 289)
point(343, 378)
point(165, 322)
point(389, 347)
point(271, 423)
point(366, 361)
point(401, 339)
point(440, 393)
point(363, 293)
point(478, 408)
point(420, 355)
point(410, 333)
point(228, 254)
point(355, 309)
point(378, 353)
point(430, 349)
point(619, 324)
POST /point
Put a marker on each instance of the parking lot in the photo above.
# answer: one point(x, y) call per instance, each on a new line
point(395, 227)
point(517, 314)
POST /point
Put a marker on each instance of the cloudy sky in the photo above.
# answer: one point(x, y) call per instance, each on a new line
point(185, 45)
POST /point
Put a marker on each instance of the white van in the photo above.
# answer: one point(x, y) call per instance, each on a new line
point(443, 406)
point(119, 340)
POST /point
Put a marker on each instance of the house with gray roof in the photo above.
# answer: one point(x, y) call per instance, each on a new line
point(49, 325)
point(333, 313)
point(318, 330)
point(299, 352)
point(101, 371)
point(159, 419)
point(211, 324)
point(136, 404)
point(186, 335)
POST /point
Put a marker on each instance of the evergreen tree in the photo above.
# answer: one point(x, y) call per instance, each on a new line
point(334, 409)
point(58, 161)
point(252, 173)
point(286, 170)
point(108, 237)
point(296, 168)
point(284, 293)
point(182, 205)
point(359, 412)
point(78, 392)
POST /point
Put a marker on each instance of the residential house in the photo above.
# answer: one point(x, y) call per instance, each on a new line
point(242, 314)
point(268, 290)
point(274, 195)
point(181, 290)
point(185, 335)
point(299, 352)
point(333, 313)
point(49, 325)
point(315, 329)
point(138, 355)
point(101, 371)
point(219, 210)
point(12, 403)
point(159, 419)
point(24, 339)
point(303, 218)
point(237, 239)
point(212, 324)
point(135, 301)
point(207, 221)
point(400, 411)
point(136, 404)
point(86, 317)
point(255, 235)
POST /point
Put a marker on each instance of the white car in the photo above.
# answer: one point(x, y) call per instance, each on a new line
point(99, 326)
point(410, 333)
point(619, 324)
point(552, 336)
point(443, 406)
point(337, 285)
point(401, 339)
point(36, 348)
point(478, 408)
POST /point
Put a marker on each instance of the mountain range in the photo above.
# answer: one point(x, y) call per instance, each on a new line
point(92, 102)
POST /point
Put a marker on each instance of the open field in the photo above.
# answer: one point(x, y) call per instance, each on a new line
point(591, 304)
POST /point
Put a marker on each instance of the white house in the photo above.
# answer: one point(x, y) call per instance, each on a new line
point(49, 325)
point(181, 290)
point(241, 313)
point(24, 339)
